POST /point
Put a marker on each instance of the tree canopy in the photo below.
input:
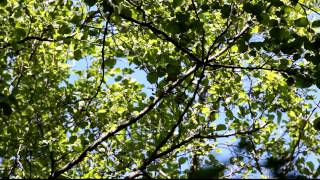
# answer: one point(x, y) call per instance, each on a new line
point(227, 78)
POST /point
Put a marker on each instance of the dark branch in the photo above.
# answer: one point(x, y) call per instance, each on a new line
point(198, 136)
point(166, 36)
point(287, 71)
point(311, 9)
point(179, 121)
point(229, 44)
point(133, 120)
point(28, 38)
point(102, 59)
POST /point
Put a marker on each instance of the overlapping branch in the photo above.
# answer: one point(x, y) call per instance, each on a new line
point(162, 95)
point(230, 43)
point(124, 125)
point(133, 120)
point(287, 71)
point(46, 39)
point(167, 90)
point(198, 136)
point(153, 155)
point(157, 31)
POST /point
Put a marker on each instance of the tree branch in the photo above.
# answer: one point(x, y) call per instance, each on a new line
point(166, 36)
point(161, 95)
point(305, 6)
point(103, 61)
point(179, 121)
point(133, 120)
point(237, 36)
point(287, 71)
point(198, 136)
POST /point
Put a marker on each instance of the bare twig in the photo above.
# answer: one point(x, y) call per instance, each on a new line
point(203, 33)
point(103, 61)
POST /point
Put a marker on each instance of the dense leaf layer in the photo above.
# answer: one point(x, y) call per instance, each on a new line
point(233, 77)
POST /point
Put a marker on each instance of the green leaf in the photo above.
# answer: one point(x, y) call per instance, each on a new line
point(183, 17)
point(3, 2)
point(218, 151)
point(303, 83)
point(248, 7)
point(76, 19)
point(177, 3)
point(283, 63)
point(290, 81)
point(182, 160)
point(4, 99)
point(276, 3)
point(72, 139)
point(257, 45)
point(279, 34)
point(258, 8)
point(90, 2)
point(255, 9)
point(316, 23)
point(221, 127)
point(6, 108)
point(242, 47)
point(110, 62)
point(176, 27)
point(126, 11)
point(316, 124)
point(225, 11)
point(294, 2)
point(273, 23)
point(215, 5)
point(205, 7)
point(101, 111)
point(198, 26)
point(64, 29)
point(152, 77)
point(263, 18)
point(206, 111)
point(301, 22)
point(77, 54)
point(20, 32)
point(310, 165)
point(127, 71)
point(317, 173)
point(173, 70)
point(13, 100)
point(50, 110)
point(296, 57)
point(229, 114)
point(306, 171)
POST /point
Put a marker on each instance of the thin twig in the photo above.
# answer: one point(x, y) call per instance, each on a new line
point(309, 8)
point(122, 126)
point(103, 61)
